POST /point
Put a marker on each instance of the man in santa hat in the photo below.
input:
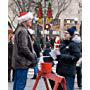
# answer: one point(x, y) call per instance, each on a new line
point(23, 53)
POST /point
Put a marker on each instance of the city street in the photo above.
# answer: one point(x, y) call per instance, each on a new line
point(30, 84)
point(41, 85)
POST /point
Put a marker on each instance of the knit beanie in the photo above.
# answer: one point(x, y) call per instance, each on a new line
point(72, 30)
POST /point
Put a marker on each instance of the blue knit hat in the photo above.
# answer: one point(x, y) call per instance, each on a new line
point(72, 30)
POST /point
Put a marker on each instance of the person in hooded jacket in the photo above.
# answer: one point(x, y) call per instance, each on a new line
point(69, 55)
point(79, 63)
point(48, 59)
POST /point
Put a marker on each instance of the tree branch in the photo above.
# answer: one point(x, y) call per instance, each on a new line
point(11, 22)
point(19, 8)
point(63, 6)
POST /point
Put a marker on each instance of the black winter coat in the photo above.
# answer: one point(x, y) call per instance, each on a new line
point(46, 53)
point(47, 59)
point(37, 48)
point(70, 54)
point(10, 51)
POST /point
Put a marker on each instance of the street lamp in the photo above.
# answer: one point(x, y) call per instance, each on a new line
point(35, 21)
point(44, 21)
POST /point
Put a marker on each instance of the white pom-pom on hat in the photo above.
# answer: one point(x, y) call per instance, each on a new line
point(24, 16)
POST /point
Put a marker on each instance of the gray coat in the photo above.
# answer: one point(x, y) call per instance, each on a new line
point(23, 49)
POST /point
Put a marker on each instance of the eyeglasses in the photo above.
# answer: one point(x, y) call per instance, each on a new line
point(66, 32)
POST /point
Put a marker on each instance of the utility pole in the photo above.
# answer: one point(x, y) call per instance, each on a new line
point(44, 22)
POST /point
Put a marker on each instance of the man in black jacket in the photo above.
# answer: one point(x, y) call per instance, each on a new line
point(70, 54)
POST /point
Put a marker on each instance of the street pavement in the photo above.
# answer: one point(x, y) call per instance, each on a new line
point(30, 84)
point(41, 85)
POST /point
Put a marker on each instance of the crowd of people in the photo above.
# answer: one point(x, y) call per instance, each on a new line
point(24, 53)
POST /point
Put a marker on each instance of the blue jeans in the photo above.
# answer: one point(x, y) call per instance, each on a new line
point(20, 79)
point(36, 70)
point(70, 83)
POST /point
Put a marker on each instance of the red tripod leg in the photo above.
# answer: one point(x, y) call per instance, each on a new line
point(56, 86)
point(36, 82)
point(64, 84)
point(46, 83)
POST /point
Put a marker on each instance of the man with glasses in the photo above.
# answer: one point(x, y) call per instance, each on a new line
point(69, 55)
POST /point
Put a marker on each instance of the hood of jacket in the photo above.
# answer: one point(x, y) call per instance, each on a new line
point(76, 39)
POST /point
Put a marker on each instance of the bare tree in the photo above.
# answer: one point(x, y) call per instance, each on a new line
point(80, 6)
point(17, 6)
point(61, 5)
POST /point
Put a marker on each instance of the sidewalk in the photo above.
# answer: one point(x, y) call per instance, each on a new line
point(30, 83)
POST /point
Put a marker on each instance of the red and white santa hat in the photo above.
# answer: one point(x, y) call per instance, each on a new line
point(24, 16)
